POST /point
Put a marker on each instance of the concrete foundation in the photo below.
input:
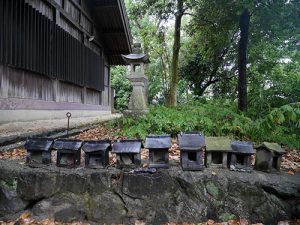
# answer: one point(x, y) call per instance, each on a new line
point(7, 116)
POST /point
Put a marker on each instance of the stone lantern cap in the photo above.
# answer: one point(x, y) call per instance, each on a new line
point(67, 144)
point(272, 147)
point(127, 146)
point(218, 144)
point(191, 141)
point(38, 144)
point(94, 146)
point(136, 58)
point(158, 142)
point(242, 147)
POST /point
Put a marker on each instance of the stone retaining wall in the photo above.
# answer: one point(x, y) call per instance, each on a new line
point(115, 196)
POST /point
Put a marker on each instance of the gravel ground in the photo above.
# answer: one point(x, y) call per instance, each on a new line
point(17, 128)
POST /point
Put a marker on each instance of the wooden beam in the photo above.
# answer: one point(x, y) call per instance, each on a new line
point(113, 33)
point(125, 23)
point(105, 7)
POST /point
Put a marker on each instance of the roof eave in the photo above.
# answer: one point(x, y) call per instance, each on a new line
point(125, 21)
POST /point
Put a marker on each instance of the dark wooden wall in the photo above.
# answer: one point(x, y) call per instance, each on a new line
point(32, 41)
point(21, 89)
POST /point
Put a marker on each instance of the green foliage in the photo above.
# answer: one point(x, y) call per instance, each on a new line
point(208, 65)
point(149, 30)
point(152, 25)
point(122, 87)
point(274, 87)
point(217, 118)
point(209, 54)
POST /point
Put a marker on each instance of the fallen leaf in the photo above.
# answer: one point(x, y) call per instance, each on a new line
point(233, 222)
point(283, 223)
point(243, 221)
point(210, 222)
point(139, 222)
point(291, 172)
point(25, 215)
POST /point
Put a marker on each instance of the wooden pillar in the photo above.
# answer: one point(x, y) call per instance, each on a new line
point(208, 159)
point(57, 17)
point(56, 90)
point(224, 160)
point(248, 161)
point(233, 159)
point(83, 95)
point(278, 164)
point(112, 99)
point(3, 82)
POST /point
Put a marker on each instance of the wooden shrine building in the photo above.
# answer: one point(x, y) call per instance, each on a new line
point(55, 56)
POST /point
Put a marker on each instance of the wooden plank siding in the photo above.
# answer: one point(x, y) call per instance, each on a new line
point(43, 44)
point(56, 54)
point(93, 97)
point(17, 83)
point(70, 93)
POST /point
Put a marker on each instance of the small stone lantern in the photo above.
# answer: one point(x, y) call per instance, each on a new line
point(268, 157)
point(191, 146)
point(68, 152)
point(128, 153)
point(96, 153)
point(217, 151)
point(137, 62)
point(241, 156)
point(38, 150)
point(158, 146)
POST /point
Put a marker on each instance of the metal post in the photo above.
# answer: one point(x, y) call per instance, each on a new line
point(69, 116)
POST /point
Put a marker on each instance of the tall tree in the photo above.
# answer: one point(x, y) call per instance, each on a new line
point(242, 60)
point(162, 13)
point(172, 98)
point(272, 30)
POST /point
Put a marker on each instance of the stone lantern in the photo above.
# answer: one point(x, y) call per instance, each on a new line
point(137, 62)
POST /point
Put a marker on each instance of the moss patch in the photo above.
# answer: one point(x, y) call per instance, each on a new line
point(212, 189)
point(227, 216)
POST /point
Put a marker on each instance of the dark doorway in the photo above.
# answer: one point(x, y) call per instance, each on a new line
point(192, 156)
point(95, 159)
point(275, 162)
point(217, 157)
point(158, 156)
point(240, 159)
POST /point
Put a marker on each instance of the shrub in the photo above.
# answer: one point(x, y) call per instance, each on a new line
point(216, 118)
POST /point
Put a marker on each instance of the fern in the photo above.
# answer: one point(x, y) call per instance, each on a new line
point(215, 118)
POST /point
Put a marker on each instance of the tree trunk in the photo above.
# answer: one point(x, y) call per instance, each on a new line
point(242, 60)
point(172, 98)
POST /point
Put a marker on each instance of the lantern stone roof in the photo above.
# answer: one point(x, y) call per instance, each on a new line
point(242, 147)
point(96, 145)
point(136, 57)
point(38, 144)
point(273, 147)
point(127, 146)
point(218, 144)
point(158, 142)
point(67, 144)
point(191, 141)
